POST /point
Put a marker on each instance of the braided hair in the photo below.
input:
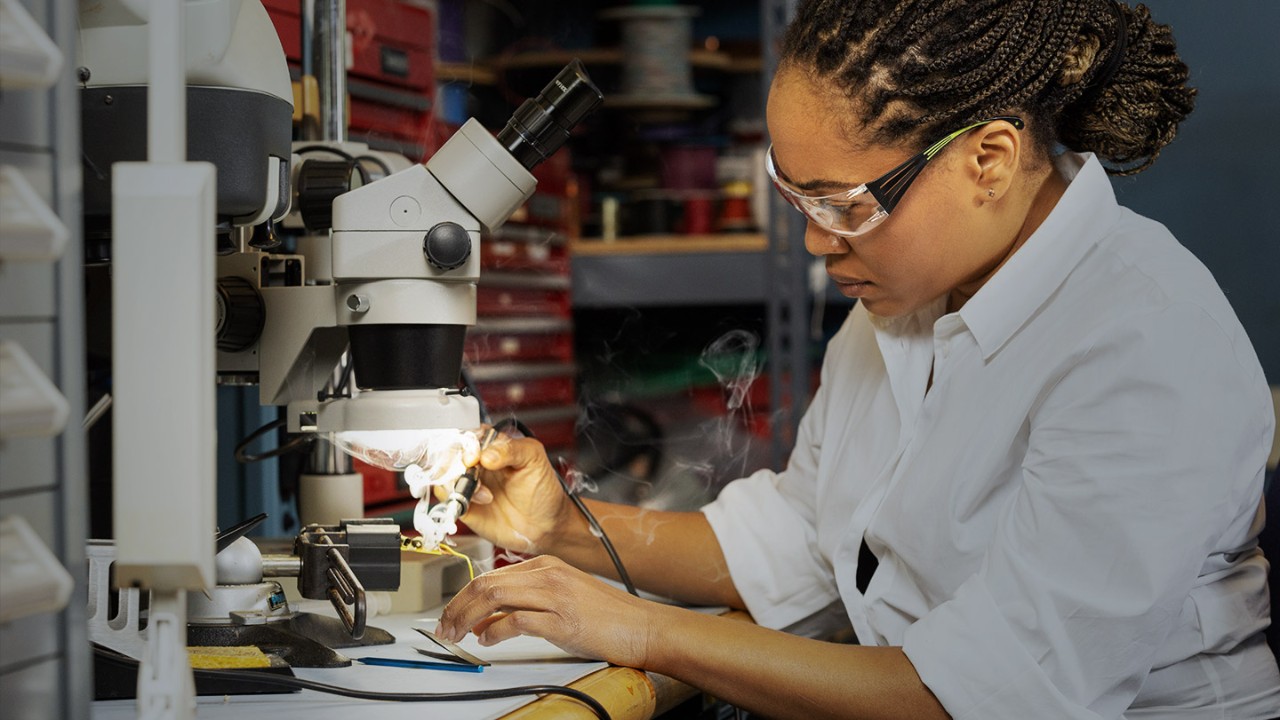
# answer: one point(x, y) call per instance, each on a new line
point(1091, 75)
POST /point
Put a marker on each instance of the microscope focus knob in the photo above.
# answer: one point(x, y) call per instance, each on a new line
point(319, 183)
point(241, 314)
point(447, 246)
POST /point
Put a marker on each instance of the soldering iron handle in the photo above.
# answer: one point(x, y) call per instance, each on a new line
point(465, 486)
point(463, 489)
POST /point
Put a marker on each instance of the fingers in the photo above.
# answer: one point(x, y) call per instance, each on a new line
point(481, 626)
point(505, 452)
point(471, 454)
point(505, 626)
point(506, 590)
point(546, 598)
point(502, 453)
point(482, 496)
point(530, 586)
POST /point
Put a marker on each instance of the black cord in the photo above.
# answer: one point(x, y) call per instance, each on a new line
point(344, 384)
point(341, 389)
point(364, 174)
point(301, 684)
point(386, 169)
point(245, 457)
point(286, 681)
point(582, 508)
point(470, 385)
point(357, 161)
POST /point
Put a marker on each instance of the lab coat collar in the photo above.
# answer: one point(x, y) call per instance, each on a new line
point(1083, 216)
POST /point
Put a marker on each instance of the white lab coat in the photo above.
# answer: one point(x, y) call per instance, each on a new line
point(1066, 521)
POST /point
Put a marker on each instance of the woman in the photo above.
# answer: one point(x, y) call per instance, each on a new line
point(1031, 475)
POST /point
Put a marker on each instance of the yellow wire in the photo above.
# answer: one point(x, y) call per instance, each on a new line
point(415, 544)
point(471, 570)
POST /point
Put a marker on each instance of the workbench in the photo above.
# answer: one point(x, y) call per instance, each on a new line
point(627, 693)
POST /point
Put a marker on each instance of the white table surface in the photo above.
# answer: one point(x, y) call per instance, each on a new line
point(520, 661)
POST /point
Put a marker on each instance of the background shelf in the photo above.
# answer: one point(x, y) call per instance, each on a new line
point(678, 244)
point(669, 270)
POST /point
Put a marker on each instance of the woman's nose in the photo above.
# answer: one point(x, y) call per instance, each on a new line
point(821, 242)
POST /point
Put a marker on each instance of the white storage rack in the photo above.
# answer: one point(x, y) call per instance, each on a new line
point(44, 653)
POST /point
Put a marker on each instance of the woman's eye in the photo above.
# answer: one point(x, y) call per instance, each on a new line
point(854, 211)
point(824, 215)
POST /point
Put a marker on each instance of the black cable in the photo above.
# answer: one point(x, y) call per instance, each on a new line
point(293, 444)
point(582, 508)
point(386, 169)
point(286, 681)
point(341, 389)
point(301, 684)
point(325, 148)
point(364, 174)
point(470, 385)
point(357, 161)
point(344, 384)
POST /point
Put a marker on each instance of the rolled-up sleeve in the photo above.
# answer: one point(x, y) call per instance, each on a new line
point(766, 526)
point(1142, 459)
point(780, 582)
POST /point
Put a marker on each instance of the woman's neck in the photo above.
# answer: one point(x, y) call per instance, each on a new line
point(1047, 191)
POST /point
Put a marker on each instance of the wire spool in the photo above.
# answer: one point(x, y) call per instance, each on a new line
point(655, 69)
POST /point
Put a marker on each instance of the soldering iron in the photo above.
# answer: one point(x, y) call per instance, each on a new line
point(444, 515)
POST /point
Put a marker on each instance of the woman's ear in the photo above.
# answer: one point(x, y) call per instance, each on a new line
point(994, 153)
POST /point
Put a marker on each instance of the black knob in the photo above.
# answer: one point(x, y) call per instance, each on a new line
point(241, 314)
point(319, 183)
point(447, 246)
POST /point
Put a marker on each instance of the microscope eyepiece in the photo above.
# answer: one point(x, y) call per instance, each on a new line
point(542, 124)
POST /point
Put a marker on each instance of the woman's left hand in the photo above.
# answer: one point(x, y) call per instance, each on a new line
point(547, 598)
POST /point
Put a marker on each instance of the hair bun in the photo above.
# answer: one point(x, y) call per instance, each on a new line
point(1133, 104)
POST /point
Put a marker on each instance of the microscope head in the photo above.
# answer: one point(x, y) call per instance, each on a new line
point(239, 103)
point(406, 274)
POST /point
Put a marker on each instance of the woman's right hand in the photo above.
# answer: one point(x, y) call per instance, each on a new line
point(519, 504)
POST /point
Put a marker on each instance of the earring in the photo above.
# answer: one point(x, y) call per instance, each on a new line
point(991, 193)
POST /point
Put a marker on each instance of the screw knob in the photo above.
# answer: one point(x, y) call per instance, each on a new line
point(447, 246)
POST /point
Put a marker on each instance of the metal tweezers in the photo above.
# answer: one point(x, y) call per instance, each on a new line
point(451, 652)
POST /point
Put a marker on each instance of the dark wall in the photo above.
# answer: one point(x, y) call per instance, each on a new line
point(1217, 187)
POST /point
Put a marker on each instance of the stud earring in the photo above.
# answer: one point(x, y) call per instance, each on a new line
point(991, 193)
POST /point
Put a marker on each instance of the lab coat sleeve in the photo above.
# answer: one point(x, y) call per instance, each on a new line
point(766, 526)
point(1150, 443)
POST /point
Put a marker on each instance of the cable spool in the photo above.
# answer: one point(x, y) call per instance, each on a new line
point(655, 70)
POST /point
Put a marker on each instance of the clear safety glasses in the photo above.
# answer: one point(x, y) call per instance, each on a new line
point(858, 210)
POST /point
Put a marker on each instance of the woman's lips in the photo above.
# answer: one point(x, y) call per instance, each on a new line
point(852, 287)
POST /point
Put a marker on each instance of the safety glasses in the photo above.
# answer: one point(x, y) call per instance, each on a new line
point(857, 210)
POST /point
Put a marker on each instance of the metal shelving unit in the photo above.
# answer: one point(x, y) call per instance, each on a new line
point(769, 269)
point(788, 300)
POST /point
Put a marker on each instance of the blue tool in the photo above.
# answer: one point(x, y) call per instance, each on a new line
point(419, 664)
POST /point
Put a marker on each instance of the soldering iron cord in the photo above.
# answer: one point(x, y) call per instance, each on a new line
point(597, 530)
point(301, 684)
